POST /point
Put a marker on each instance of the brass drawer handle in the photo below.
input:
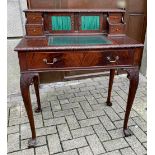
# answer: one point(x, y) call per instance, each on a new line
point(123, 20)
point(108, 19)
point(50, 63)
point(113, 61)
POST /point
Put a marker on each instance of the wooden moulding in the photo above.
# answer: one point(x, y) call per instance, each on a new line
point(76, 10)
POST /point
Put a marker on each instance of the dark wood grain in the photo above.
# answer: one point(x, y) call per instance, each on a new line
point(36, 86)
point(111, 79)
point(116, 29)
point(138, 8)
point(79, 59)
point(39, 44)
point(36, 56)
point(34, 17)
point(34, 29)
point(115, 18)
point(68, 4)
point(25, 81)
point(133, 75)
point(76, 10)
point(136, 19)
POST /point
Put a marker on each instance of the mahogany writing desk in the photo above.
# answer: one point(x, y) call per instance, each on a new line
point(76, 39)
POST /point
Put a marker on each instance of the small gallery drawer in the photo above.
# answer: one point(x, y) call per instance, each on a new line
point(116, 28)
point(34, 29)
point(115, 18)
point(42, 60)
point(34, 18)
point(118, 57)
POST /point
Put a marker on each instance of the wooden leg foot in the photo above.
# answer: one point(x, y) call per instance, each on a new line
point(32, 143)
point(127, 132)
point(109, 103)
point(38, 110)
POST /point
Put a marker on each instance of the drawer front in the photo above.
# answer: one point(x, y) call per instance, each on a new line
point(118, 58)
point(34, 18)
point(34, 30)
point(115, 18)
point(116, 29)
point(79, 59)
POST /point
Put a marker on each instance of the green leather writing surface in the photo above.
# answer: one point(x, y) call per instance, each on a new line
point(77, 40)
point(90, 22)
point(61, 23)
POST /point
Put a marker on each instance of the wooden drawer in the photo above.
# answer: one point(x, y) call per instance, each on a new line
point(118, 57)
point(34, 29)
point(41, 60)
point(116, 28)
point(34, 18)
point(115, 18)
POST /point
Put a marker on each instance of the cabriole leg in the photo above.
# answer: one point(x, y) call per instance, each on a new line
point(26, 80)
point(111, 79)
point(133, 75)
point(36, 86)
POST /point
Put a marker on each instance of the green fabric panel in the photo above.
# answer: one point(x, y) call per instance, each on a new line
point(77, 40)
point(61, 23)
point(90, 22)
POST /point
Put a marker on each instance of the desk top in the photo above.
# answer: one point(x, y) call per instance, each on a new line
point(103, 42)
point(77, 40)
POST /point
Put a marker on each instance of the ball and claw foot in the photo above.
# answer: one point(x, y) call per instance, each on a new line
point(37, 110)
point(109, 103)
point(32, 143)
point(127, 132)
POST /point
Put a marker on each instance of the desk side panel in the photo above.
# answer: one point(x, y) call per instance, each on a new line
point(22, 61)
point(138, 52)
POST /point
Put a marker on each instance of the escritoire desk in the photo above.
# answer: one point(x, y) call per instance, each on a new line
point(51, 46)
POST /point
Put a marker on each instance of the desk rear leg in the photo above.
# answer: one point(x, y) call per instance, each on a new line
point(36, 86)
point(111, 79)
point(26, 80)
point(133, 75)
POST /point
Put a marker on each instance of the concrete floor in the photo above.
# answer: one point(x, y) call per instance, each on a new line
point(14, 20)
point(13, 68)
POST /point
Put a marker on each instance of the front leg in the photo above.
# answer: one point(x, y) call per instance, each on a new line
point(26, 80)
point(133, 75)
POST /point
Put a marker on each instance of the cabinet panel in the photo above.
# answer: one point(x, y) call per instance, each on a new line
point(33, 4)
point(137, 6)
point(136, 27)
